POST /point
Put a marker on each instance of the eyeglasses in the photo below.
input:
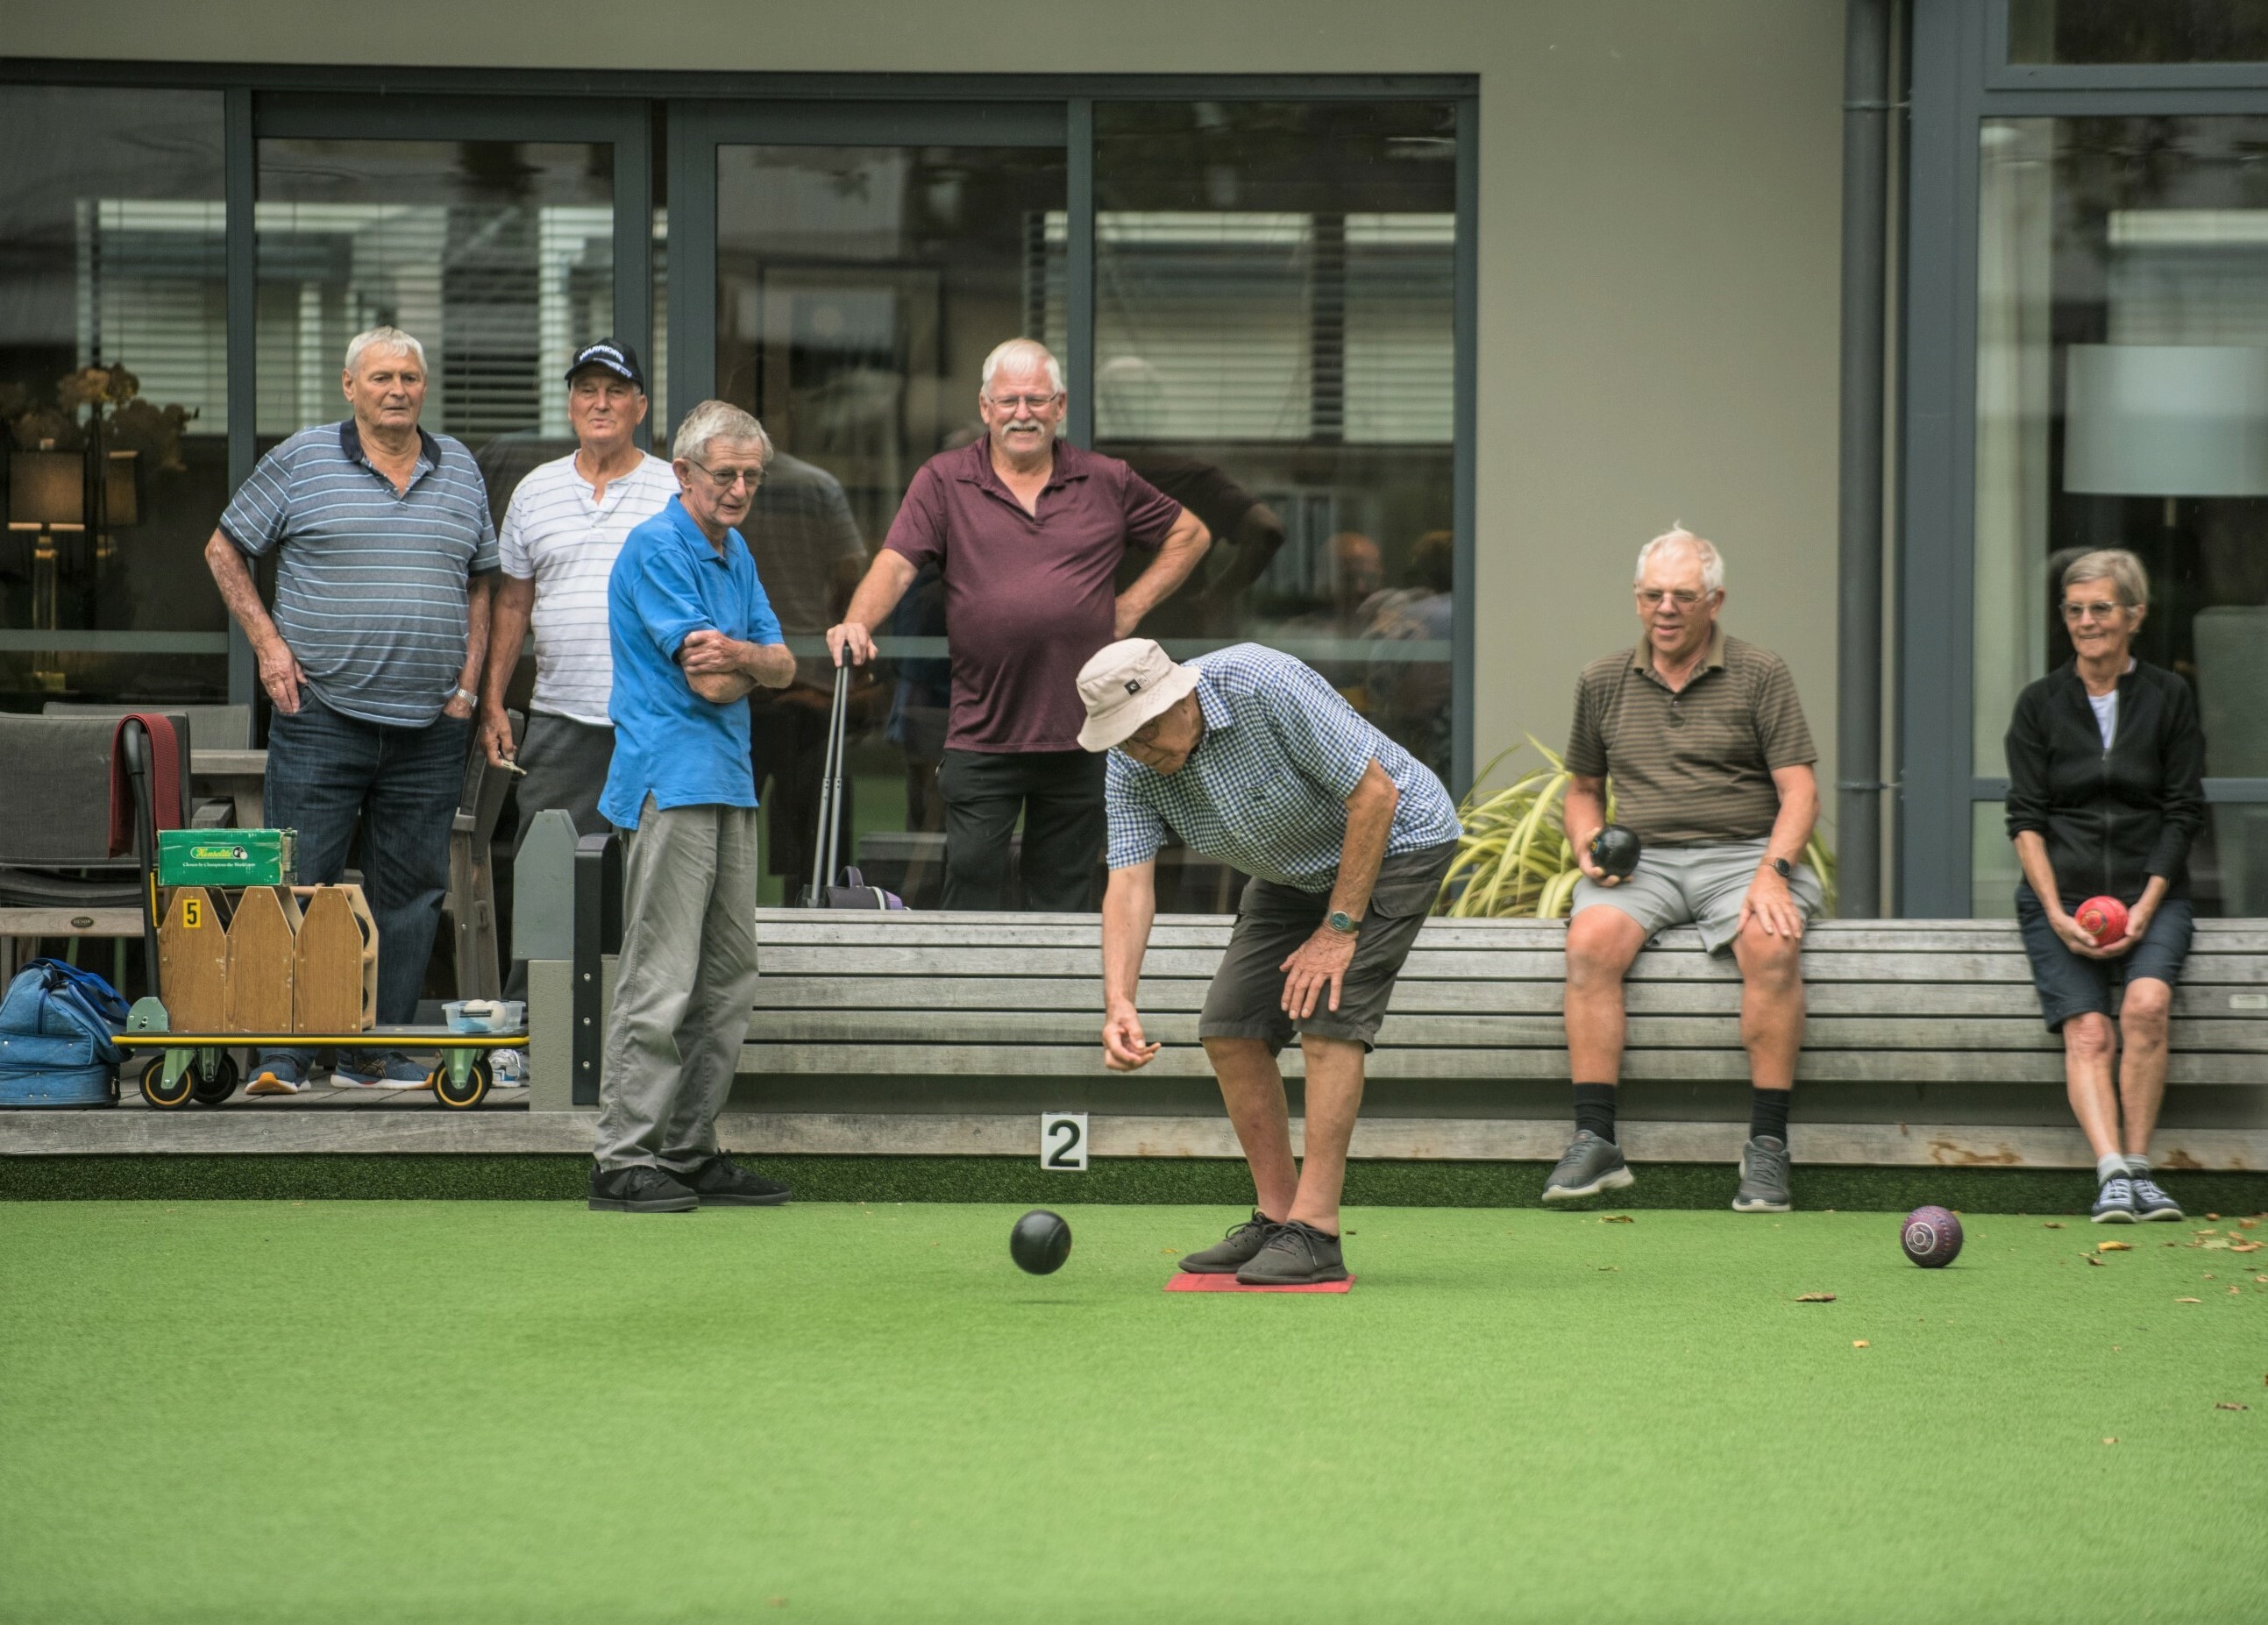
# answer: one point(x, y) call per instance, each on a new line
point(1024, 403)
point(1652, 597)
point(725, 479)
point(2098, 611)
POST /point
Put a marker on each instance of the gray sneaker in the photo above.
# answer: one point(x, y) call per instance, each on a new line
point(2114, 1201)
point(2151, 1201)
point(1294, 1255)
point(1589, 1166)
point(1234, 1251)
point(1763, 1177)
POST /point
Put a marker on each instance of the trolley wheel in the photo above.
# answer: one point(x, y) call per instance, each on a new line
point(220, 1086)
point(464, 1096)
point(158, 1092)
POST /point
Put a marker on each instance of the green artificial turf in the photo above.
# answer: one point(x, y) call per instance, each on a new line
point(537, 1177)
point(500, 1412)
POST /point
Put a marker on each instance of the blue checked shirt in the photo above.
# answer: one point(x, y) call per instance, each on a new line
point(1266, 789)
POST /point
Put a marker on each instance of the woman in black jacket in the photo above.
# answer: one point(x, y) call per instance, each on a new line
point(2105, 792)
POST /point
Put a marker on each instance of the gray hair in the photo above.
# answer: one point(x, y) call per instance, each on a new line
point(2116, 566)
point(1712, 562)
point(1022, 354)
point(386, 339)
point(717, 420)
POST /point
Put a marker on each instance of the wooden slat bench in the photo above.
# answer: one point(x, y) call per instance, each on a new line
point(931, 1031)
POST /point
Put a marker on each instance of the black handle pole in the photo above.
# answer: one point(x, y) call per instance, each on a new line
point(145, 846)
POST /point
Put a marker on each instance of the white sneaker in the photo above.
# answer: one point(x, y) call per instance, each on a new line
point(508, 1069)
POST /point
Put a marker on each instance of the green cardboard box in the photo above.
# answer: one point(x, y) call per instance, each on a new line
point(227, 856)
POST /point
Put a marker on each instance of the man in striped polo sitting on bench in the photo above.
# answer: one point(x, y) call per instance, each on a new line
point(1252, 758)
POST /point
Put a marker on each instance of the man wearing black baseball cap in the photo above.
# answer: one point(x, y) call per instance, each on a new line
point(566, 522)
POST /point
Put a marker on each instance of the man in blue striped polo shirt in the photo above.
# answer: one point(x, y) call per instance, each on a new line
point(384, 558)
point(1252, 758)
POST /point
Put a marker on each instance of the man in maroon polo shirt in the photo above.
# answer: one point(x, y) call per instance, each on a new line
point(1027, 532)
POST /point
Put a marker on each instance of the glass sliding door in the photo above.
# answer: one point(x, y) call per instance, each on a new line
point(2122, 401)
point(859, 288)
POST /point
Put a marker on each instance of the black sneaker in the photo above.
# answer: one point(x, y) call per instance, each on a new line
point(1763, 1177)
point(638, 1190)
point(1234, 1251)
point(1588, 1166)
point(1294, 1255)
point(720, 1182)
point(2114, 1201)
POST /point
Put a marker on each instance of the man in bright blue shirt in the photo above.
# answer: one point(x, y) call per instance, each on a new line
point(692, 634)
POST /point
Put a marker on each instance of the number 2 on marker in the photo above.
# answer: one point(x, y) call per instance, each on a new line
point(1063, 1142)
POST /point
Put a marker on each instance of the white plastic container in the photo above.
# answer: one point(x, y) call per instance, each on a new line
point(485, 1015)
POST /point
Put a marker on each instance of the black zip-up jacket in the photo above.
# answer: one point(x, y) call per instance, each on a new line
point(2111, 817)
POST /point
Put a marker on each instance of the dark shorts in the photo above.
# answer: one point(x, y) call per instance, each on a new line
point(2072, 986)
point(1247, 997)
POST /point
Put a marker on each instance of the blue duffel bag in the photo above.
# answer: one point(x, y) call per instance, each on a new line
point(56, 1024)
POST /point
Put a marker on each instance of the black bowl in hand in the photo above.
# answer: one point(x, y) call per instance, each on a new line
point(1613, 849)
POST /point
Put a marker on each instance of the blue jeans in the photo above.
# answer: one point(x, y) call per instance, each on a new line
point(324, 771)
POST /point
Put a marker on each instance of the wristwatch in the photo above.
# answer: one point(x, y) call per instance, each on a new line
point(469, 697)
point(1784, 870)
point(1344, 924)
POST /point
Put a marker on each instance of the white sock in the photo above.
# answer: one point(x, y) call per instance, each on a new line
point(2110, 1168)
point(2138, 1166)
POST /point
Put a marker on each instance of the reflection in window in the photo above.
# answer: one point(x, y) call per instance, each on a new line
point(858, 290)
point(497, 256)
point(1275, 334)
point(2122, 31)
point(2122, 401)
point(112, 389)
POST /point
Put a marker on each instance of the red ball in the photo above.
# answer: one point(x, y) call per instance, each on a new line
point(1931, 1237)
point(2103, 918)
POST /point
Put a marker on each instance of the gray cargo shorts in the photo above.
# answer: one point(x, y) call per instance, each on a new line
point(1699, 886)
point(1246, 999)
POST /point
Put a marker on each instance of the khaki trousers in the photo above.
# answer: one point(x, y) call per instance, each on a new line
point(683, 988)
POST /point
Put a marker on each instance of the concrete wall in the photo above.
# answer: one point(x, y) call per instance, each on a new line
point(1660, 185)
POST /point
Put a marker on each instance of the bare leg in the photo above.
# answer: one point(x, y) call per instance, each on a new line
point(1771, 1004)
point(1334, 1099)
point(2087, 1046)
point(1601, 942)
point(2142, 1022)
point(1252, 1088)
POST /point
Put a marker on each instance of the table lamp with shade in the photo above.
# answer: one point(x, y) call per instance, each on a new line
point(2191, 420)
point(46, 493)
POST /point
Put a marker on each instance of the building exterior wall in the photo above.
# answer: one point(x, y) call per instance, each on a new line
point(1659, 187)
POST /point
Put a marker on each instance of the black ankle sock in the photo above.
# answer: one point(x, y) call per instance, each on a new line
point(1768, 1112)
point(1595, 1109)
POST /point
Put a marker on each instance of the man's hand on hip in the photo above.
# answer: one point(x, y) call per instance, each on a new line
point(1123, 1049)
point(1318, 963)
point(281, 676)
point(1772, 905)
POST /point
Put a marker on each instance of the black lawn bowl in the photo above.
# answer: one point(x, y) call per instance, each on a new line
point(1931, 1237)
point(1615, 850)
point(1040, 1242)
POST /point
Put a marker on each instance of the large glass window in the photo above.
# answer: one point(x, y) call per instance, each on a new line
point(497, 256)
point(112, 394)
point(2122, 401)
point(2138, 31)
point(858, 290)
point(1275, 330)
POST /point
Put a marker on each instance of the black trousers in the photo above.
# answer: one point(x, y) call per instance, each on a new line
point(1059, 793)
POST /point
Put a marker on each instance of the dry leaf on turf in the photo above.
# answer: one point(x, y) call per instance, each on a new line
point(2114, 1247)
point(1814, 1297)
point(2246, 1224)
point(2110, 1441)
point(1616, 1219)
point(2097, 1262)
point(2244, 1246)
point(2225, 1405)
point(2053, 1225)
point(2188, 1300)
point(1860, 1343)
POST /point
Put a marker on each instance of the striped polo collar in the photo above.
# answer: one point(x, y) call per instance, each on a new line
point(350, 445)
point(1642, 656)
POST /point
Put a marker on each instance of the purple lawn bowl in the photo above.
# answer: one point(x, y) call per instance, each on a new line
point(1932, 1237)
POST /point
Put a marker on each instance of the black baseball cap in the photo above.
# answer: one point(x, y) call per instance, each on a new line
point(619, 359)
